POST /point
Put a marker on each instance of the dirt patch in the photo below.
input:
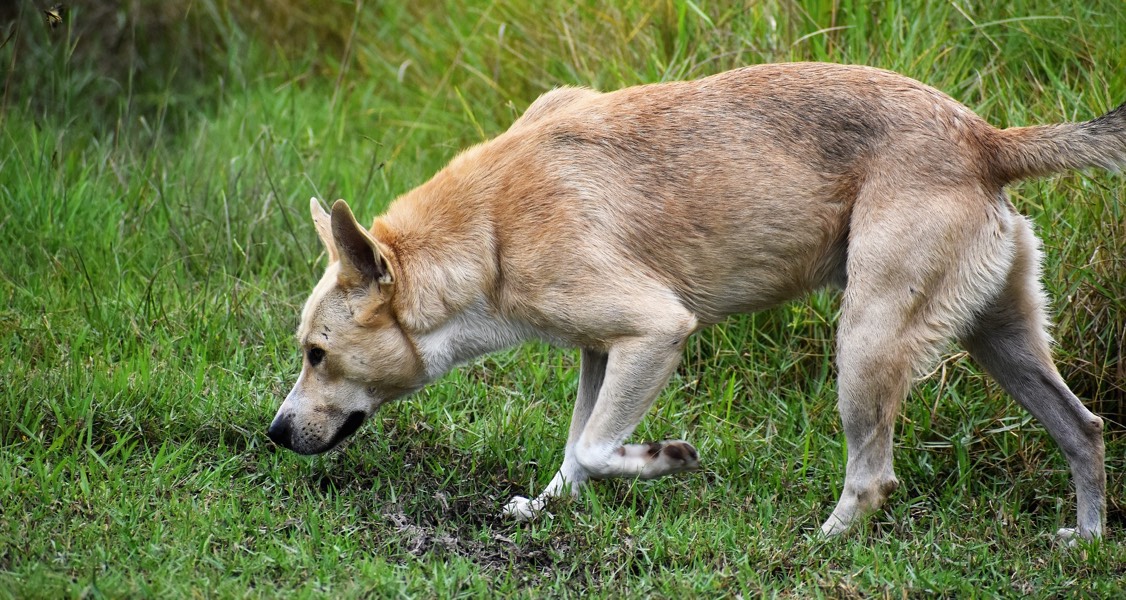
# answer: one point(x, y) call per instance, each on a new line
point(431, 514)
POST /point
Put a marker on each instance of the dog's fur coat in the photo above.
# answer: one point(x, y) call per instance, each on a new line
point(621, 223)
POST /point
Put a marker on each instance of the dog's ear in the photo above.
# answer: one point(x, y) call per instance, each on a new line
point(323, 223)
point(363, 260)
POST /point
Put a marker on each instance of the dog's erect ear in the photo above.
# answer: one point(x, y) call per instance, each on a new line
point(323, 223)
point(363, 260)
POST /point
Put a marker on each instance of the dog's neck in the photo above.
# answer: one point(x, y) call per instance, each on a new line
point(447, 267)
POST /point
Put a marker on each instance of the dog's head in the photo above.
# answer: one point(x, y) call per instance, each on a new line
point(355, 353)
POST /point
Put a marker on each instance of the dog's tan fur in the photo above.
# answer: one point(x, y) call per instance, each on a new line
point(621, 223)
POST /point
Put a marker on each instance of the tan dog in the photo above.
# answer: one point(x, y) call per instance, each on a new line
point(621, 223)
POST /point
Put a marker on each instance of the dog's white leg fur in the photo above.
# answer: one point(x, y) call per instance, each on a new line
point(634, 372)
point(571, 475)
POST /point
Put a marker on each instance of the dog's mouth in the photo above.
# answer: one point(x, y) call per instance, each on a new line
point(351, 424)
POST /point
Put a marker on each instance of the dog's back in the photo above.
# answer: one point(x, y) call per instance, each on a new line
point(736, 190)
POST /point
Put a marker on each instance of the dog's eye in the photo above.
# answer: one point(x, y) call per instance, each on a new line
point(316, 355)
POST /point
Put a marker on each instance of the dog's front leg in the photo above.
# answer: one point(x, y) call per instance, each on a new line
point(571, 474)
point(633, 374)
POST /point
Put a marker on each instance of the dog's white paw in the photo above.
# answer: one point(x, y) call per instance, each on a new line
point(833, 527)
point(657, 459)
point(522, 509)
point(1072, 536)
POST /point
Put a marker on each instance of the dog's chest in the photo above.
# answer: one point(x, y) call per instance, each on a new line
point(470, 333)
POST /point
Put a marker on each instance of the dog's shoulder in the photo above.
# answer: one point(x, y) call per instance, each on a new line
point(554, 102)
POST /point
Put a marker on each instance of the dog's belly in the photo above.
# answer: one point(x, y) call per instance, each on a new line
point(770, 256)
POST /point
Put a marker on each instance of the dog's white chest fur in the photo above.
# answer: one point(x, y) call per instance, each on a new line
point(472, 332)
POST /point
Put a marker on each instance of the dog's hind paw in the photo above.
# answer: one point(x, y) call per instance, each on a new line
point(522, 509)
point(1072, 536)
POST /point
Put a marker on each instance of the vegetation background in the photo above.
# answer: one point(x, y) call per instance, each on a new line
point(156, 157)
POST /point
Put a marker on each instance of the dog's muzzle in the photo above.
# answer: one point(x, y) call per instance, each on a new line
point(281, 431)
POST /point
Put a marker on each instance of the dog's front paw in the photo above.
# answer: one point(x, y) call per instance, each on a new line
point(680, 455)
point(665, 458)
point(523, 509)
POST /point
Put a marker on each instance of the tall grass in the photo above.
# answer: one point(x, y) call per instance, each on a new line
point(158, 251)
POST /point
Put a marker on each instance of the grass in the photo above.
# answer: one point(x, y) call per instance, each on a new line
point(157, 251)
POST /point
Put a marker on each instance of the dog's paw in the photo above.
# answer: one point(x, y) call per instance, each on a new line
point(522, 509)
point(682, 454)
point(1072, 536)
point(672, 456)
point(833, 527)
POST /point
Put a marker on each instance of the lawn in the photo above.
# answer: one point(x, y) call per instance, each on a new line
point(156, 161)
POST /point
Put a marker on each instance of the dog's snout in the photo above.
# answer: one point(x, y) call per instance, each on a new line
point(279, 431)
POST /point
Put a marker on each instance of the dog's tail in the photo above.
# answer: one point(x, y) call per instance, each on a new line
point(1022, 152)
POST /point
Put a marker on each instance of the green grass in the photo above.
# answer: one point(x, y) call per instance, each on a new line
point(157, 250)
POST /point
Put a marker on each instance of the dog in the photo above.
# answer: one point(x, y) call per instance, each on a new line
point(621, 223)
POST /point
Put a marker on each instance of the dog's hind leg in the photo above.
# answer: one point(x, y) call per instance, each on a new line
point(875, 369)
point(571, 475)
point(635, 371)
point(1010, 342)
point(918, 268)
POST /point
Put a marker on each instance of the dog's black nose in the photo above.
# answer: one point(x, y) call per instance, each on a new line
point(279, 431)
